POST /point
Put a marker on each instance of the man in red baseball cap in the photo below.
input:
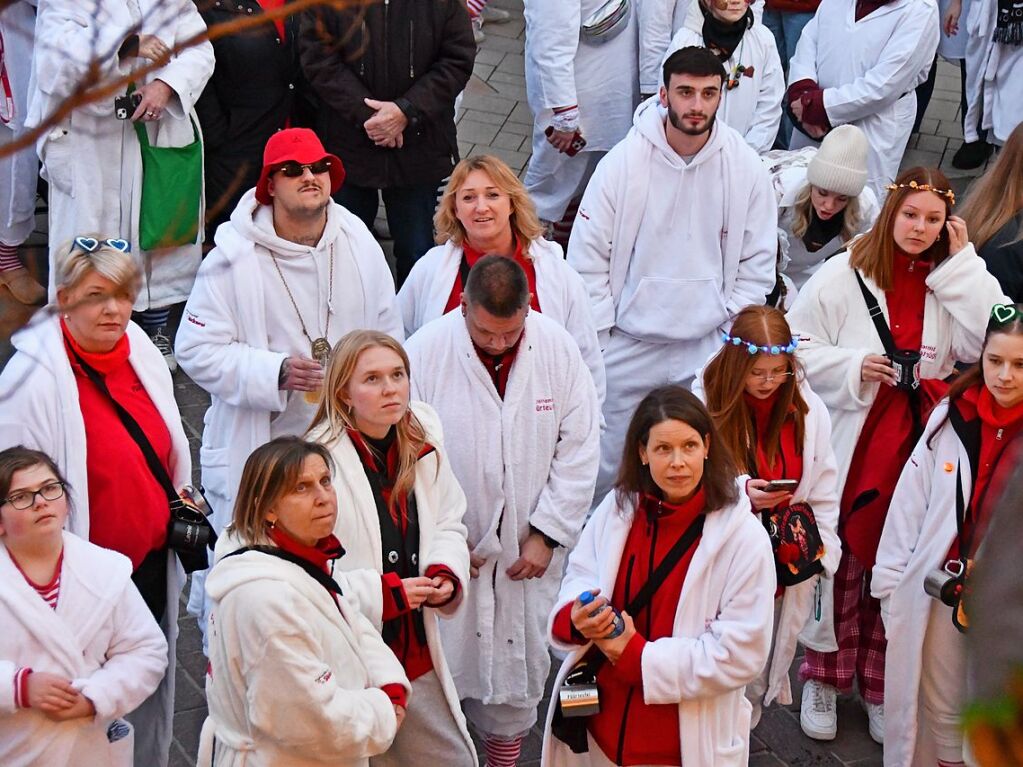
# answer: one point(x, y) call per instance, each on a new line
point(292, 272)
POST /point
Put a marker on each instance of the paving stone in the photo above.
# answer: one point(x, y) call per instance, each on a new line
point(483, 117)
point(522, 129)
point(487, 55)
point(781, 733)
point(507, 141)
point(914, 157)
point(513, 28)
point(476, 132)
point(488, 103)
point(513, 63)
point(521, 113)
point(509, 90)
point(187, 725)
point(943, 110)
point(929, 125)
point(187, 694)
point(500, 76)
point(516, 160)
point(483, 71)
point(931, 143)
point(949, 128)
point(505, 44)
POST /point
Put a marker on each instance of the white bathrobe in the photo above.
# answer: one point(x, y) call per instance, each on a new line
point(868, 70)
point(440, 504)
point(721, 636)
point(836, 334)
point(101, 636)
point(560, 291)
point(18, 172)
point(754, 107)
point(994, 72)
point(91, 159)
point(529, 459)
point(918, 533)
point(818, 489)
point(295, 676)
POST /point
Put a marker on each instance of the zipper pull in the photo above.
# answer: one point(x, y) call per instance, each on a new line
point(911, 266)
point(999, 434)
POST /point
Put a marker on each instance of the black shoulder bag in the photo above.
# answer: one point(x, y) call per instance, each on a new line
point(189, 531)
point(571, 730)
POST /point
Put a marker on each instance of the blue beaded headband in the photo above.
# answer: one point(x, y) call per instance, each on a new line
point(753, 348)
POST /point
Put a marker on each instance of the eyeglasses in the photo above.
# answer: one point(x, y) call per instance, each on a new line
point(1005, 313)
point(765, 377)
point(91, 244)
point(293, 169)
point(24, 499)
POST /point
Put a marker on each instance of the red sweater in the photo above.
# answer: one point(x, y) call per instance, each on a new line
point(888, 436)
point(472, 256)
point(628, 730)
point(788, 462)
point(128, 510)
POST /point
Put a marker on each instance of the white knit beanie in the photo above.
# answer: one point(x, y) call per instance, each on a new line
point(840, 165)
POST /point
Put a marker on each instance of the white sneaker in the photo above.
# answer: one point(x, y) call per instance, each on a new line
point(477, 30)
point(166, 347)
point(818, 714)
point(492, 15)
point(875, 720)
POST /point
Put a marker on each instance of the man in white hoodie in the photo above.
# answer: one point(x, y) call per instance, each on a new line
point(291, 273)
point(676, 233)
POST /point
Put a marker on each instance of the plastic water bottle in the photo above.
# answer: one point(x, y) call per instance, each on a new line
point(618, 626)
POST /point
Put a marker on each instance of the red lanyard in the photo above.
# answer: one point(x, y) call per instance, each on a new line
point(7, 103)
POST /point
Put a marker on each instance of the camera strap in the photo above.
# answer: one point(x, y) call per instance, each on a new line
point(876, 316)
point(139, 437)
point(311, 570)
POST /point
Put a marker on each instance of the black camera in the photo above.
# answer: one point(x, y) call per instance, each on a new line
point(189, 532)
point(945, 584)
point(907, 367)
point(125, 106)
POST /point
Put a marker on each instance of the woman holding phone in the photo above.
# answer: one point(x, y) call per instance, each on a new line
point(779, 433)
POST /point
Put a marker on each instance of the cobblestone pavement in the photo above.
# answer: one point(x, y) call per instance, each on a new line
point(495, 119)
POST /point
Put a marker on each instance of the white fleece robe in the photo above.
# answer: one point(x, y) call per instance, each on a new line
point(440, 505)
point(670, 253)
point(91, 159)
point(918, 533)
point(836, 334)
point(868, 70)
point(818, 489)
point(560, 291)
point(239, 326)
point(720, 639)
point(994, 72)
point(295, 676)
point(19, 171)
point(754, 107)
point(101, 636)
point(529, 459)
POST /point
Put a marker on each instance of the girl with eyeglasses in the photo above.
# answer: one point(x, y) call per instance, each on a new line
point(776, 428)
point(938, 519)
point(79, 648)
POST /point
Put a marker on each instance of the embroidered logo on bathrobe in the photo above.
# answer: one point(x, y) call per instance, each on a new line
point(324, 677)
point(544, 405)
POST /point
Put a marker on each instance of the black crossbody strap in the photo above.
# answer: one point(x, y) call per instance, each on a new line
point(311, 570)
point(134, 430)
point(663, 570)
point(877, 316)
point(463, 270)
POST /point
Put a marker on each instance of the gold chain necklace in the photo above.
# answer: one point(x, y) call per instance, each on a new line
point(320, 347)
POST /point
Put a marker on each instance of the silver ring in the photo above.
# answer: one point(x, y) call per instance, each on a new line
point(150, 114)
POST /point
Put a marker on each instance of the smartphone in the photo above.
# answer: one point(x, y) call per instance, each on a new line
point(780, 484)
point(125, 106)
point(577, 145)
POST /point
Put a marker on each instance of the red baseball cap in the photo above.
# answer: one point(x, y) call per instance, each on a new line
point(301, 145)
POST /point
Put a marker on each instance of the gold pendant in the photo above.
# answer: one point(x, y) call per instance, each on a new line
point(321, 351)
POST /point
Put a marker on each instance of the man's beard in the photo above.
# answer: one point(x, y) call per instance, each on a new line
point(677, 123)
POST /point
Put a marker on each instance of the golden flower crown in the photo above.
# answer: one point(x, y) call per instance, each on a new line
point(925, 188)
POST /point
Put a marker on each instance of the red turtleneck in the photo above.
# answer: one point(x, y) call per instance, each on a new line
point(128, 509)
point(628, 730)
point(471, 256)
point(788, 462)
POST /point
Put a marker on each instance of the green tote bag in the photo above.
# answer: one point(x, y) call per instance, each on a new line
point(171, 192)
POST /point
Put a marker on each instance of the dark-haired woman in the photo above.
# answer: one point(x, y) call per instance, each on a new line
point(777, 429)
point(971, 446)
point(931, 289)
point(297, 675)
point(671, 691)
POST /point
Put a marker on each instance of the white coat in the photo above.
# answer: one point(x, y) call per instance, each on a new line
point(993, 75)
point(101, 636)
point(836, 334)
point(528, 459)
point(868, 70)
point(91, 159)
point(918, 532)
point(754, 107)
point(18, 172)
point(953, 48)
point(560, 291)
point(659, 22)
point(720, 639)
point(801, 263)
point(817, 488)
point(440, 504)
point(295, 676)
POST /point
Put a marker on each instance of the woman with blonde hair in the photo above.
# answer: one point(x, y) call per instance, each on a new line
point(485, 210)
point(880, 327)
point(994, 214)
point(777, 429)
point(88, 387)
point(297, 674)
point(407, 559)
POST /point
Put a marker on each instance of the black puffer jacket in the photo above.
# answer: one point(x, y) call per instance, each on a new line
point(417, 53)
point(1003, 254)
point(256, 89)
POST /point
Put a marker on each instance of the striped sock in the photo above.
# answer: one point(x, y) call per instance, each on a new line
point(9, 258)
point(502, 752)
point(152, 319)
point(476, 7)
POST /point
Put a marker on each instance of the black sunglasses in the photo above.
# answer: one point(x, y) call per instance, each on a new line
point(293, 169)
